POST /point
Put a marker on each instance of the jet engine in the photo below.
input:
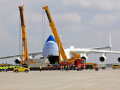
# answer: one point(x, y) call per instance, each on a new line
point(102, 58)
point(17, 61)
point(84, 57)
point(30, 57)
point(119, 59)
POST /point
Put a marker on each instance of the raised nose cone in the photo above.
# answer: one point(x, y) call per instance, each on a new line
point(50, 47)
point(51, 38)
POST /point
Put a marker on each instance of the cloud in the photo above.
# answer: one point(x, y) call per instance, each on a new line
point(34, 43)
point(33, 39)
point(94, 4)
point(105, 20)
point(6, 38)
point(9, 44)
point(2, 2)
point(33, 17)
point(67, 17)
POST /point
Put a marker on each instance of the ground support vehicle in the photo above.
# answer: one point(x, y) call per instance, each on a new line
point(44, 63)
point(83, 64)
point(102, 66)
point(68, 64)
point(80, 62)
point(90, 65)
point(116, 66)
point(21, 69)
point(36, 63)
point(52, 67)
point(10, 66)
point(58, 66)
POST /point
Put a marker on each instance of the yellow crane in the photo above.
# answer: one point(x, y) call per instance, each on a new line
point(24, 37)
point(57, 38)
point(56, 35)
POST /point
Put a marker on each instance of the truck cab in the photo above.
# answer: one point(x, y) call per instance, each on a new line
point(79, 62)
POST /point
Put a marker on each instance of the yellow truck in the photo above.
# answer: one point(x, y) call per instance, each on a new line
point(116, 66)
point(21, 69)
point(90, 65)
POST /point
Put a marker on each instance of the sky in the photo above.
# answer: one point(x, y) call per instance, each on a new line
point(81, 23)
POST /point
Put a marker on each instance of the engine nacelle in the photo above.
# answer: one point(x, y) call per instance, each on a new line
point(84, 57)
point(119, 59)
point(102, 58)
point(30, 57)
point(17, 61)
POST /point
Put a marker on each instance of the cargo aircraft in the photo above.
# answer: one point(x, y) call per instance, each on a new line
point(50, 51)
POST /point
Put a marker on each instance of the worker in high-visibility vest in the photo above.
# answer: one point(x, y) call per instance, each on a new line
point(10, 67)
point(68, 67)
point(40, 68)
point(6, 68)
point(104, 66)
point(96, 67)
point(79, 68)
point(0, 69)
point(13, 67)
point(29, 67)
point(65, 67)
point(61, 67)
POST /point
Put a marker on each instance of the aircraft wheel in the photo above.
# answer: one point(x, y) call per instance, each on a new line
point(26, 71)
point(16, 71)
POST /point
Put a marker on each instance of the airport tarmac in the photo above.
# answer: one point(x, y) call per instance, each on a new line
point(61, 80)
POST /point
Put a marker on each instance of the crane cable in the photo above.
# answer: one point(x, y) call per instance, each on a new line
point(43, 28)
point(19, 38)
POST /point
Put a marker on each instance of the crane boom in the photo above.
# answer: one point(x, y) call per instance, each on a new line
point(56, 35)
point(24, 37)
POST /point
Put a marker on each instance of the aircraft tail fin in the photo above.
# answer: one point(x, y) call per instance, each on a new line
point(110, 43)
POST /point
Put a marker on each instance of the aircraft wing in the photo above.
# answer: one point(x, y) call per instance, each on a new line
point(88, 51)
point(99, 48)
point(36, 53)
point(30, 54)
point(10, 56)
